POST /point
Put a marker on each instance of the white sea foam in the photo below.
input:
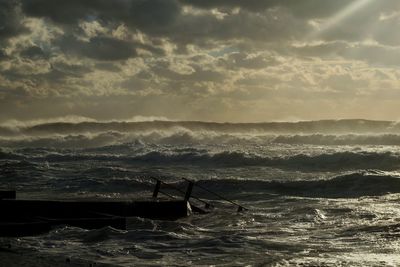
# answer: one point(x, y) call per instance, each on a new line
point(312, 189)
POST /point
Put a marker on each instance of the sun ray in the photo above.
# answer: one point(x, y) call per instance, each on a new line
point(338, 17)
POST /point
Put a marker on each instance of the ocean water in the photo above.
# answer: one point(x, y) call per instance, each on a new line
point(320, 193)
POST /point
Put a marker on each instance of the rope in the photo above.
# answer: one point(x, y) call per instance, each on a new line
point(240, 207)
point(182, 192)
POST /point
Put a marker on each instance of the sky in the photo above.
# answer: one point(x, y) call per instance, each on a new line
point(210, 60)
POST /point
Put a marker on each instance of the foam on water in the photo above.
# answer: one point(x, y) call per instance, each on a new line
point(319, 193)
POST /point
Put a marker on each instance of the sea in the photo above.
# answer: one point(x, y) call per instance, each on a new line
point(315, 193)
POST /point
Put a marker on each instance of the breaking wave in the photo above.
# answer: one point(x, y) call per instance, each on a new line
point(334, 161)
point(82, 133)
point(351, 185)
point(347, 139)
point(302, 127)
point(192, 157)
point(186, 137)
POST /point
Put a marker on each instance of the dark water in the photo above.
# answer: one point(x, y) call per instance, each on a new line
point(318, 193)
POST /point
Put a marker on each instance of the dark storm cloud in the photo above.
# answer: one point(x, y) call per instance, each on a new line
point(259, 19)
point(69, 12)
point(33, 52)
point(204, 30)
point(105, 48)
point(176, 54)
point(143, 14)
point(151, 15)
point(3, 55)
point(99, 48)
point(10, 19)
point(165, 18)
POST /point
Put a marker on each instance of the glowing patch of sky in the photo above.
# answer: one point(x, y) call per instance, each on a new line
point(339, 17)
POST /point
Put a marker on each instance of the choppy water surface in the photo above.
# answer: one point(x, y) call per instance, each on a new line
point(318, 194)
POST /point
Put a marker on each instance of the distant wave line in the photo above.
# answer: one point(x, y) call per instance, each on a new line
point(320, 162)
point(321, 126)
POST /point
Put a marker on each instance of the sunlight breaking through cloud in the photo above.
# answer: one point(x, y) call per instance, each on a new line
point(338, 18)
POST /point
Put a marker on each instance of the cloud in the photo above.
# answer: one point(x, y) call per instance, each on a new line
point(33, 52)
point(373, 54)
point(3, 55)
point(105, 48)
point(304, 8)
point(248, 60)
point(153, 15)
point(70, 12)
point(198, 74)
point(143, 14)
point(164, 18)
point(10, 19)
point(197, 59)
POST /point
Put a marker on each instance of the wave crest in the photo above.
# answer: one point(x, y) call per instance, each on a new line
point(84, 125)
point(321, 162)
point(351, 185)
point(187, 137)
